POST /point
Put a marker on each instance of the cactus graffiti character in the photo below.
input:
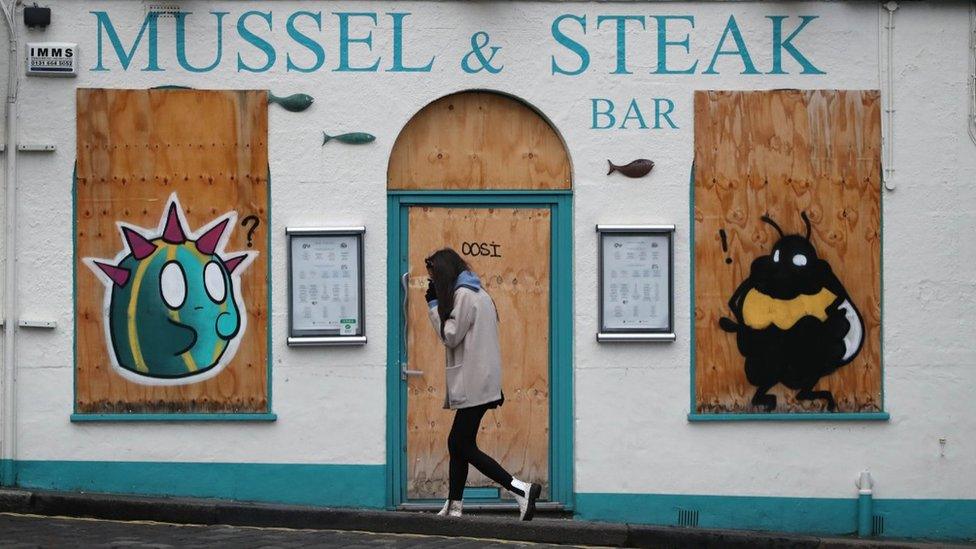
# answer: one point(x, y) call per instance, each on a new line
point(173, 307)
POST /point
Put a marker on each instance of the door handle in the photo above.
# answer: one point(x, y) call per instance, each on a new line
point(404, 368)
point(405, 371)
point(404, 279)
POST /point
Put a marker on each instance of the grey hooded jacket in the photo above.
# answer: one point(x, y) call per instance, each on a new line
point(474, 365)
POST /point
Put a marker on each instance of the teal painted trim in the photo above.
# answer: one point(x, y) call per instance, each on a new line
point(545, 195)
point(813, 416)
point(480, 492)
point(74, 287)
point(269, 315)
point(928, 518)
point(478, 199)
point(82, 418)
point(691, 286)
point(395, 432)
point(864, 515)
point(561, 353)
point(300, 484)
point(881, 306)
point(561, 320)
point(7, 472)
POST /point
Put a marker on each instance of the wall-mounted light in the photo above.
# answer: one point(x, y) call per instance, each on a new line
point(37, 17)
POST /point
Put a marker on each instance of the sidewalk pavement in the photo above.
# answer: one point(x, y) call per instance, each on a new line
point(555, 531)
point(40, 532)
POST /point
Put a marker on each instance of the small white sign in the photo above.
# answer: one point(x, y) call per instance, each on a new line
point(325, 283)
point(636, 282)
point(52, 59)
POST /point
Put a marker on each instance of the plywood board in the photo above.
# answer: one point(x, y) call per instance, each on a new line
point(781, 153)
point(517, 276)
point(137, 151)
point(478, 140)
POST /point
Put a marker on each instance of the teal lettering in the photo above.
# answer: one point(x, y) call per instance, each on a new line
point(181, 41)
point(571, 45)
point(345, 40)
point(633, 113)
point(398, 65)
point(779, 45)
point(125, 58)
point(658, 113)
point(740, 49)
point(621, 37)
point(608, 113)
point(663, 43)
point(257, 41)
point(304, 40)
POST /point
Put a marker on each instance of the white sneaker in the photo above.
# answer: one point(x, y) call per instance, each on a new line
point(526, 503)
point(451, 509)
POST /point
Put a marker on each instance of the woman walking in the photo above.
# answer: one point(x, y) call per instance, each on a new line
point(465, 319)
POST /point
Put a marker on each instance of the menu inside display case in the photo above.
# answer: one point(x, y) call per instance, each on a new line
point(635, 282)
point(325, 286)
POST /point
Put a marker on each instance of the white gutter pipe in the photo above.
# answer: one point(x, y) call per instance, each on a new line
point(8, 439)
point(971, 123)
point(888, 141)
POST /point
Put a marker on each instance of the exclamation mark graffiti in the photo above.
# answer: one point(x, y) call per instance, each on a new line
point(725, 245)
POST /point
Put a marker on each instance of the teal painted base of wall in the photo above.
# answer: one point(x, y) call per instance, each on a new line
point(362, 486)
point(6, 472)
point(903, 518)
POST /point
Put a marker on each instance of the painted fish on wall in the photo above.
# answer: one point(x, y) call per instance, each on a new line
point(636, 168)
point(173, 307)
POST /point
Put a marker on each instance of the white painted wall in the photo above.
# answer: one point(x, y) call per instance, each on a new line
point(631, 401)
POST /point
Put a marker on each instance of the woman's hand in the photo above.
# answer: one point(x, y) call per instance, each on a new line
point(431, 294)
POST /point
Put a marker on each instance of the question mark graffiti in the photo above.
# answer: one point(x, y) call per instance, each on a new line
point(254, 227)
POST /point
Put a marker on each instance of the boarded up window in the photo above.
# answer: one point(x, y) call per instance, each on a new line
point(802, 313)
point(171, 290)
point(478, 141)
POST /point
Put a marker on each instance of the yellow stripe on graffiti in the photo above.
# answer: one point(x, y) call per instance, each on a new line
point(131, 316)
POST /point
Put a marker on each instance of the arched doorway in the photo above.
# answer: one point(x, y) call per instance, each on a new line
point(487, 175)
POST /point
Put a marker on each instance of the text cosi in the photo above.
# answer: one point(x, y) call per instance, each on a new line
point(476, 249)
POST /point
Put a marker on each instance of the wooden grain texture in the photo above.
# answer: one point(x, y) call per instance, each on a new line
point(478, 140)
point(781, 153)
point(517, 433)
point(135, 148)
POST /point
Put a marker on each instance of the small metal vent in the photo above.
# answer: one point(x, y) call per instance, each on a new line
point(688, 517)
point(877, 525)
point(163, 9)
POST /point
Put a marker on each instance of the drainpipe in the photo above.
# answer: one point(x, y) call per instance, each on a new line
point(971, 123)
point(8, 438)
point(888, 142)
point(865, 506)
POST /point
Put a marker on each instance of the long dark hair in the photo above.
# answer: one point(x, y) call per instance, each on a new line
point(445, 265)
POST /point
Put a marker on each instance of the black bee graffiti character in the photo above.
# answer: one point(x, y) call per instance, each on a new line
point(794, 321)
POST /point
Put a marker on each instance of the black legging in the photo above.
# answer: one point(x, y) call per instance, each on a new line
point(462, 443)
